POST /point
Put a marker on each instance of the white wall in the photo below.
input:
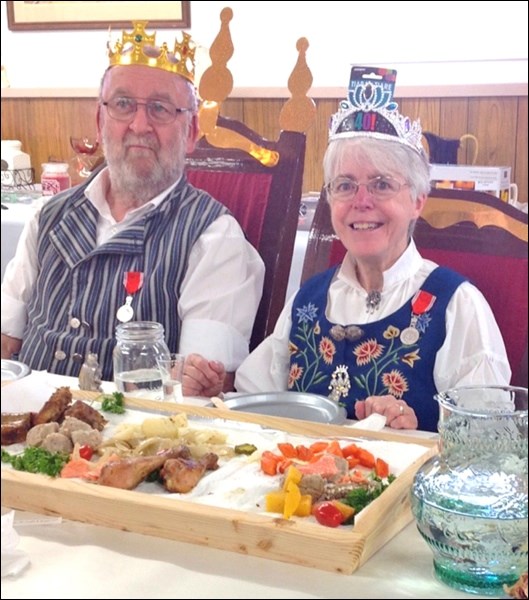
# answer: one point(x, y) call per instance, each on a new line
point(430, 43)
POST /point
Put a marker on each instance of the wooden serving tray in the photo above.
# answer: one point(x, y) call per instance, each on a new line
point(340, 550)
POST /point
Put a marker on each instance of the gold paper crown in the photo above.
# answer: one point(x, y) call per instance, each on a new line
point(139, 48)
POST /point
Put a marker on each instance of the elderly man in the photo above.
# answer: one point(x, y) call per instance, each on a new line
point(137, 240)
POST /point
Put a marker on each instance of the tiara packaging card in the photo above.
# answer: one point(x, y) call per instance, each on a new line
point(382, 80)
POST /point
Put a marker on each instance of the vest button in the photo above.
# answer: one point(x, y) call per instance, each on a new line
point(60, 355)
point(77, 357)
point(75, 322)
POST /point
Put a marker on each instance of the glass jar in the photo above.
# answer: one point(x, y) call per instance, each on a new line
point(470, 501)
point(136, 372)
point(55, 178)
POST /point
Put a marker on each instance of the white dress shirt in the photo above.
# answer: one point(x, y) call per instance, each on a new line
point(473, 351)
point(215, 323)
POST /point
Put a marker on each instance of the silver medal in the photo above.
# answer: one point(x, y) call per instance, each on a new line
point(409, 336)
point(125, 312)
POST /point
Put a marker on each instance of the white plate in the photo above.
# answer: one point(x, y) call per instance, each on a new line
point(294, 405)
point(12, 369)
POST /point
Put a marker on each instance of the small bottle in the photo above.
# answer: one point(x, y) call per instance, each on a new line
point(136, 372)
point(55, 178)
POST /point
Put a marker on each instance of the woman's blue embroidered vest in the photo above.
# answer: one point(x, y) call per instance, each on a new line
point(80, 287)
point(351, 362)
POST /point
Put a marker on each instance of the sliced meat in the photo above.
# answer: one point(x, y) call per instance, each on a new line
point(15, 427)
point(329, 466)
point(84, 412)
point(53, 409)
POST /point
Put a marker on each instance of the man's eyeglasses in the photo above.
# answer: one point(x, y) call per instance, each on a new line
point(344, 189)
point(158, 111)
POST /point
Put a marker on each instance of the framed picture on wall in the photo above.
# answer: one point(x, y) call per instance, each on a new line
point(27, 16)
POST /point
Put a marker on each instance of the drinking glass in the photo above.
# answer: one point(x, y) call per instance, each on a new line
point(172, 370)
point(87, 154)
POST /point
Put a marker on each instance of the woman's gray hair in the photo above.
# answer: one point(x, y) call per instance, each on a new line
point(387, 157)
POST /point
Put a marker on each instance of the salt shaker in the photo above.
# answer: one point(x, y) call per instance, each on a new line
point(90, 374)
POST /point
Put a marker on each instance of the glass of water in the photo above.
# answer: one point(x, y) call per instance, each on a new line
point(171, 371)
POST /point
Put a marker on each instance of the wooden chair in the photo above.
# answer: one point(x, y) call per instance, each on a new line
point(259, 180)
point(474, 233)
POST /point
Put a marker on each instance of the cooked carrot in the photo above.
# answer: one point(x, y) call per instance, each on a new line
point(381, 468)
point(269, 462)
point(287, 450)
point(350, 450)
point(366, 458)
point(335, 448)
point(304, 453)
point(318, 447)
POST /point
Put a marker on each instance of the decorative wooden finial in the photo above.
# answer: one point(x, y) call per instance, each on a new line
point(299, 113)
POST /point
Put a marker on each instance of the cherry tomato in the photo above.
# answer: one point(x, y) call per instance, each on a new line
point(328, 514)
point(86, 452)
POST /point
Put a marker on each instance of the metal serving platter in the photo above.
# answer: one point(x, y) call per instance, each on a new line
point(293, 405)
point(12, 369)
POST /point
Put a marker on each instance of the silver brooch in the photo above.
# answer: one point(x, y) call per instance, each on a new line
point(373, 301)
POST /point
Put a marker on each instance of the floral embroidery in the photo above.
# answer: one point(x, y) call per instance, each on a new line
point(327, 349)
point(295, 373)
point(307, 313)
point(395, 383)
point(411, 357)
point(367, 351)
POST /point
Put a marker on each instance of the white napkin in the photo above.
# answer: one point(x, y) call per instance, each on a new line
point(375, 422)
point(13, 560)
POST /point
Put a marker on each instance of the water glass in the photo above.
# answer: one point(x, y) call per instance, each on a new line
point(172, 370)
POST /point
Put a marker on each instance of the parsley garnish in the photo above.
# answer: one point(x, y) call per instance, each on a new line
point(37, 460)
point(113, 403)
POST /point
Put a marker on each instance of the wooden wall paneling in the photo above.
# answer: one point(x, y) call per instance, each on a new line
point(493, 122)
point(426, 109)
point(454, 124)
point(521, 163)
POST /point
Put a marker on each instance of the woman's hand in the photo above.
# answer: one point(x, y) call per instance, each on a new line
point(204, 377)
point(398, 414)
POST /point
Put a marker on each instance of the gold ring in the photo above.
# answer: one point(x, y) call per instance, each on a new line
point(401, 409)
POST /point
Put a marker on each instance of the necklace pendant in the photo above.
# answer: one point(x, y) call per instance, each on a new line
point(373, 301)
point(125, 312)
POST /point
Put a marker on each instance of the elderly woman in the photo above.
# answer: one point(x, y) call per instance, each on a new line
point(386, 329)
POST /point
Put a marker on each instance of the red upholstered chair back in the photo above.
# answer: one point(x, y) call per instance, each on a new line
point(473, 233)
point(265, 201)
point(259, 180)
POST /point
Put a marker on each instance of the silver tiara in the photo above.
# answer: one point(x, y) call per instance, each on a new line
point(370, 111)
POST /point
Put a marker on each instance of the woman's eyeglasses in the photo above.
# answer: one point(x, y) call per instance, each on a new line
point(344, 189)
point(158, 111)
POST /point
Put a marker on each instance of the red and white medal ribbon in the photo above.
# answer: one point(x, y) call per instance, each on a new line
point(422, 302)
point(132, 280)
